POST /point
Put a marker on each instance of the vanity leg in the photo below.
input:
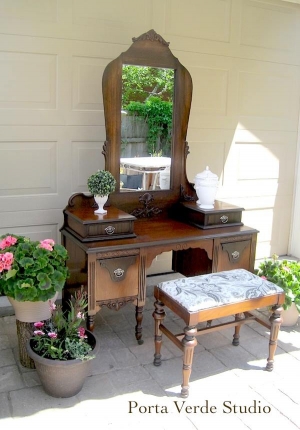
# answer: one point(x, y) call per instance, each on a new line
point(90, 323)
point(138, 327)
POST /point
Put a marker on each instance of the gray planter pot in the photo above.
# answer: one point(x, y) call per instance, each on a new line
point(63, 378)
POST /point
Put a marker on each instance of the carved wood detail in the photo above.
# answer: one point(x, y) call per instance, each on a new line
point(118, 303)
point(148, 211)
point(116, 254)
point(142, 277)
point(235, 238)
point(185, 196)
point(91, 283)
point(152, 36)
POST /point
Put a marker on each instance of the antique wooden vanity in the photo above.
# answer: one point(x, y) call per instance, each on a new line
point(110, 254)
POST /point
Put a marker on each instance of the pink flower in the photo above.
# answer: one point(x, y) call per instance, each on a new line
point(81, 333)
point(7, 241)
point(38, 333)
point(6, 261)
point(47, 244)
point(52, 334)
point(263, 277)
point(80, 315)
point(52, 306)
point(38, 324)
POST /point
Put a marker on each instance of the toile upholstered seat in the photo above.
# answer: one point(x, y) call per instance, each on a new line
point(213, 296)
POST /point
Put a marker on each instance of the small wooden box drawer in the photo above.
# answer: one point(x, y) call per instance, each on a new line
point(222, 215)
point(88, 227)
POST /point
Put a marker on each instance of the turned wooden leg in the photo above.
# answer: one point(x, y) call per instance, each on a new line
point(158, 315)
point(90, 323)
point(276, 321)
point(189, 342)
point(138, 327)
point(236, 336)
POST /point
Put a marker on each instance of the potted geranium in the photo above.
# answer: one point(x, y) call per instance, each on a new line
point(61, 348)
point(101, 184)
point(286, 274)
point(32, 273)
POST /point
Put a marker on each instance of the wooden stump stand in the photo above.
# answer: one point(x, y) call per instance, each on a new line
point(24, 333)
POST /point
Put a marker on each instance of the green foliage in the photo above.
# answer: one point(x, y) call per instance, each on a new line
point(101, 183)
point(285, 274)
point(63, 337)
point(37, 270)
point(158, 114)
point(142, 82)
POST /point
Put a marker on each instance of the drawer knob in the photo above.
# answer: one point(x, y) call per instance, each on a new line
point(119, 272)
point(110, 229)
point(224, 219)
point(235, 255)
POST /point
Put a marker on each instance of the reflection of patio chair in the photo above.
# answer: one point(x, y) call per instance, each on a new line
point(131, 181)
point(148, 179)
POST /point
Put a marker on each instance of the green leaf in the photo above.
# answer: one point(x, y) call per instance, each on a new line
point(10, 273)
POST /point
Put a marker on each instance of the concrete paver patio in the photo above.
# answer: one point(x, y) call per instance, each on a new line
point(229, 387)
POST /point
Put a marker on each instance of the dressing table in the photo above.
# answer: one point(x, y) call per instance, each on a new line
point(110, 254)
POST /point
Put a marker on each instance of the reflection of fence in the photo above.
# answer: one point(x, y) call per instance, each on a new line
point(134, 130)
point(133, 127)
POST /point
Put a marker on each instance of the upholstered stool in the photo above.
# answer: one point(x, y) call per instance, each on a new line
point(208, 297)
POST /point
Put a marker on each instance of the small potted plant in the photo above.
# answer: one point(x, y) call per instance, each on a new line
point(285, 274)
point(32, 273)
point(61, 348)
point(101, 184)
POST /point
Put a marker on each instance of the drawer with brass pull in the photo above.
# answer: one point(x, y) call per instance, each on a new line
point(222, 215)
point(89, 227)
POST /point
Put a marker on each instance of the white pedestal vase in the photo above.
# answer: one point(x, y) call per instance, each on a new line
point(100, 200)
point(206, 186)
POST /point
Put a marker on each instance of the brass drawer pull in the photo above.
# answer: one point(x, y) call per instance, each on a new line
point(235, 255)
point(110, 229)
point(119, 272)
point(224, 219)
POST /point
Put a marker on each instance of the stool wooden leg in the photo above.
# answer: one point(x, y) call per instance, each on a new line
point(276, 321)
point(189, 342)
point(158, 315)
point(236, 336)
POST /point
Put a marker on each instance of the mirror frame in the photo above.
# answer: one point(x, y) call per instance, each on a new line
point(149, 49)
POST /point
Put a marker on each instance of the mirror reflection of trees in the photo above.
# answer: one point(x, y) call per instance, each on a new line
point(147, 111)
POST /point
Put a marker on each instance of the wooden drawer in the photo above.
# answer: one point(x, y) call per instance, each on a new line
point(117, 277)
point(222, 215)
point(234, 255)
point(88, 227)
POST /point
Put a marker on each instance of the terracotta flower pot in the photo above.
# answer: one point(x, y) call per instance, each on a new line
point(63, 378)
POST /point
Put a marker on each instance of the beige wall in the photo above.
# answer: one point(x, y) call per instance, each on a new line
point(244, 59)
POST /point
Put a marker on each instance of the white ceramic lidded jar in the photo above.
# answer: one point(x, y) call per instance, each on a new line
point(206, 186)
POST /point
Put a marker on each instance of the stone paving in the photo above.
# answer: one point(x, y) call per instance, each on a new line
point(229, 387)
